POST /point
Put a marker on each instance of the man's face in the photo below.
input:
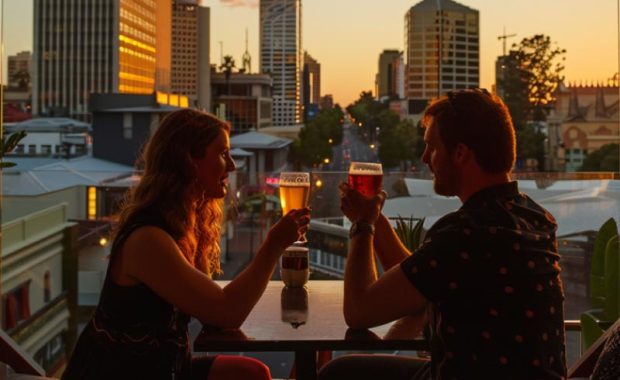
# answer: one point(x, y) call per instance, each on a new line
point(440, 163)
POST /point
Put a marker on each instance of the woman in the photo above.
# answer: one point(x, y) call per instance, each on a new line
point(165, 250)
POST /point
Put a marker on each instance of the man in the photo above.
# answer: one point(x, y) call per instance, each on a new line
point(487, 275)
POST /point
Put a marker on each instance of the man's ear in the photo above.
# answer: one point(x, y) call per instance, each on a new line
point(461, 153)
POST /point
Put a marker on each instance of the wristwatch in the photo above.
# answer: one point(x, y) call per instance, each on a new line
point(361, 226)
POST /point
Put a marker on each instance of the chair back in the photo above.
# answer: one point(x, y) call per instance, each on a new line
point(608, 230)
point(612, 279)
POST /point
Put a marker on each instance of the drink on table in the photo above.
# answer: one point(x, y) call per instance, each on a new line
point(294, 269)
point(366, 177)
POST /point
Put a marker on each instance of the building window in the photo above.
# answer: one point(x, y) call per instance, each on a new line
point(127, 126)
point(32, 149)
point(46, 149)
point(16, 306)
point(47, 287)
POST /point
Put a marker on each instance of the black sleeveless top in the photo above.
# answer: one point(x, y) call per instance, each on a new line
point(134, 333)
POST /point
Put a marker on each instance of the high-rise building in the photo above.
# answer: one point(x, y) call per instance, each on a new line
point(281, 56)
point(191, 69)
point(311, 86)
point(312, 89)
point(385, 82)
point(113, 46)
point(440, 59)
point(19, 69)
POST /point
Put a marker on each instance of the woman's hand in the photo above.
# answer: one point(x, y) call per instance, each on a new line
point(288, 229)
point(356, 207)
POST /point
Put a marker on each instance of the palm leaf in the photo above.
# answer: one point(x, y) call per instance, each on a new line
point(409, 231)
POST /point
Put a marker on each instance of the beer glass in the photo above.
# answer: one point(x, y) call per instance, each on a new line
point(294, 194)
point(366, 177)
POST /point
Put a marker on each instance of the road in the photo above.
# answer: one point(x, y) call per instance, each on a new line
point(353, 148)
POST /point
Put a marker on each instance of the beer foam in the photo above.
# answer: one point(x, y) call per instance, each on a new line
point(302, 183)
point(366, 169)
point(294, 251)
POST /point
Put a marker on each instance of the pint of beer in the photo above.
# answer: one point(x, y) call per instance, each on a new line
point(294, 191)
point(366, 177)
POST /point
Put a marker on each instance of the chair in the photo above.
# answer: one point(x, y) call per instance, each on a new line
point(604, 285)
point(597, 263)
point(19, 360)
point(602, 359)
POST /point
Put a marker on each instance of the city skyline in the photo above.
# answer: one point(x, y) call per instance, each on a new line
point(347, 36)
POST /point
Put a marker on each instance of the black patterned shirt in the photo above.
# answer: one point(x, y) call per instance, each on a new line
point(491, 276)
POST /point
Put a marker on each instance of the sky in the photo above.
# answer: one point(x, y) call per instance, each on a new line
point(347, 36)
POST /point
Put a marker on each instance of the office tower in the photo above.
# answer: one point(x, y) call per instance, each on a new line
point(385, 82)
point(313, 69)
point(281, 56)
point(81, 47)
point(190, 52)
point(441, 59)
point(311, 86)
point(19, 69)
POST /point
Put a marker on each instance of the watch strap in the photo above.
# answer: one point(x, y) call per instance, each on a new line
point(361, 226)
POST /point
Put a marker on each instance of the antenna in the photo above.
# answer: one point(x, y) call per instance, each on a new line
point(246, 58)
point(221, 52)
point(505, 37)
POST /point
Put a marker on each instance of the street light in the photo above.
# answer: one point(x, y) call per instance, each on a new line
point(326, 160)
point(331, 141)
point(372, 146)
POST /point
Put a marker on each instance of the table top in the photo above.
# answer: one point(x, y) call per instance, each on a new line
point(310, 318)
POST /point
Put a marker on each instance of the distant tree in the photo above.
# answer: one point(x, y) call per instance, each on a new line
point(531, 144)
point(532, 73)
point(227, 67)
point(313, 145)
point(22, 77)
point(605, 159)
point(536, 64)
point(366, 110)
point(400, 144)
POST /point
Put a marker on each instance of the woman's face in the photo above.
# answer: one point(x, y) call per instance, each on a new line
point(212, 169)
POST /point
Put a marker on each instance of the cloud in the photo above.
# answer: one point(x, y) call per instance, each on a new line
point(240, 3)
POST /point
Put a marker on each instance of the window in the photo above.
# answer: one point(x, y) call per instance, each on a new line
point(47, 287)
point(16, 306)
point(127, 126)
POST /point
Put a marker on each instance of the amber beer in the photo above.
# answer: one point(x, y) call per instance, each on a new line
point(294, 196)
point(366, 177)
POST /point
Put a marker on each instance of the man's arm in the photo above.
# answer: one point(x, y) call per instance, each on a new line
point(369, 301)
point(388, 246)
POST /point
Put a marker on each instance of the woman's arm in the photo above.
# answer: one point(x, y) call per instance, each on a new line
point(152, 257)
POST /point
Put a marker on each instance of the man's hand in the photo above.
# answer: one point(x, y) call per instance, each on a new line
point(356, 207)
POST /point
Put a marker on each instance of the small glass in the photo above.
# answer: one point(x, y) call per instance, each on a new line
point(294, 266)
point(294, 194)
point(366, 177)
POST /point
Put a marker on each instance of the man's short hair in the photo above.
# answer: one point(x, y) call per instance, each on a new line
point(479, 120)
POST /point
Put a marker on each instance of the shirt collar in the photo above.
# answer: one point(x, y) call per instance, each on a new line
point(504, 190)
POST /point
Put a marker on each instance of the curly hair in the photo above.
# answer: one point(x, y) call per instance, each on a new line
point(168, 186)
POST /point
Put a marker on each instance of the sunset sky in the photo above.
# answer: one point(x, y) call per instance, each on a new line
point(347, 36)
